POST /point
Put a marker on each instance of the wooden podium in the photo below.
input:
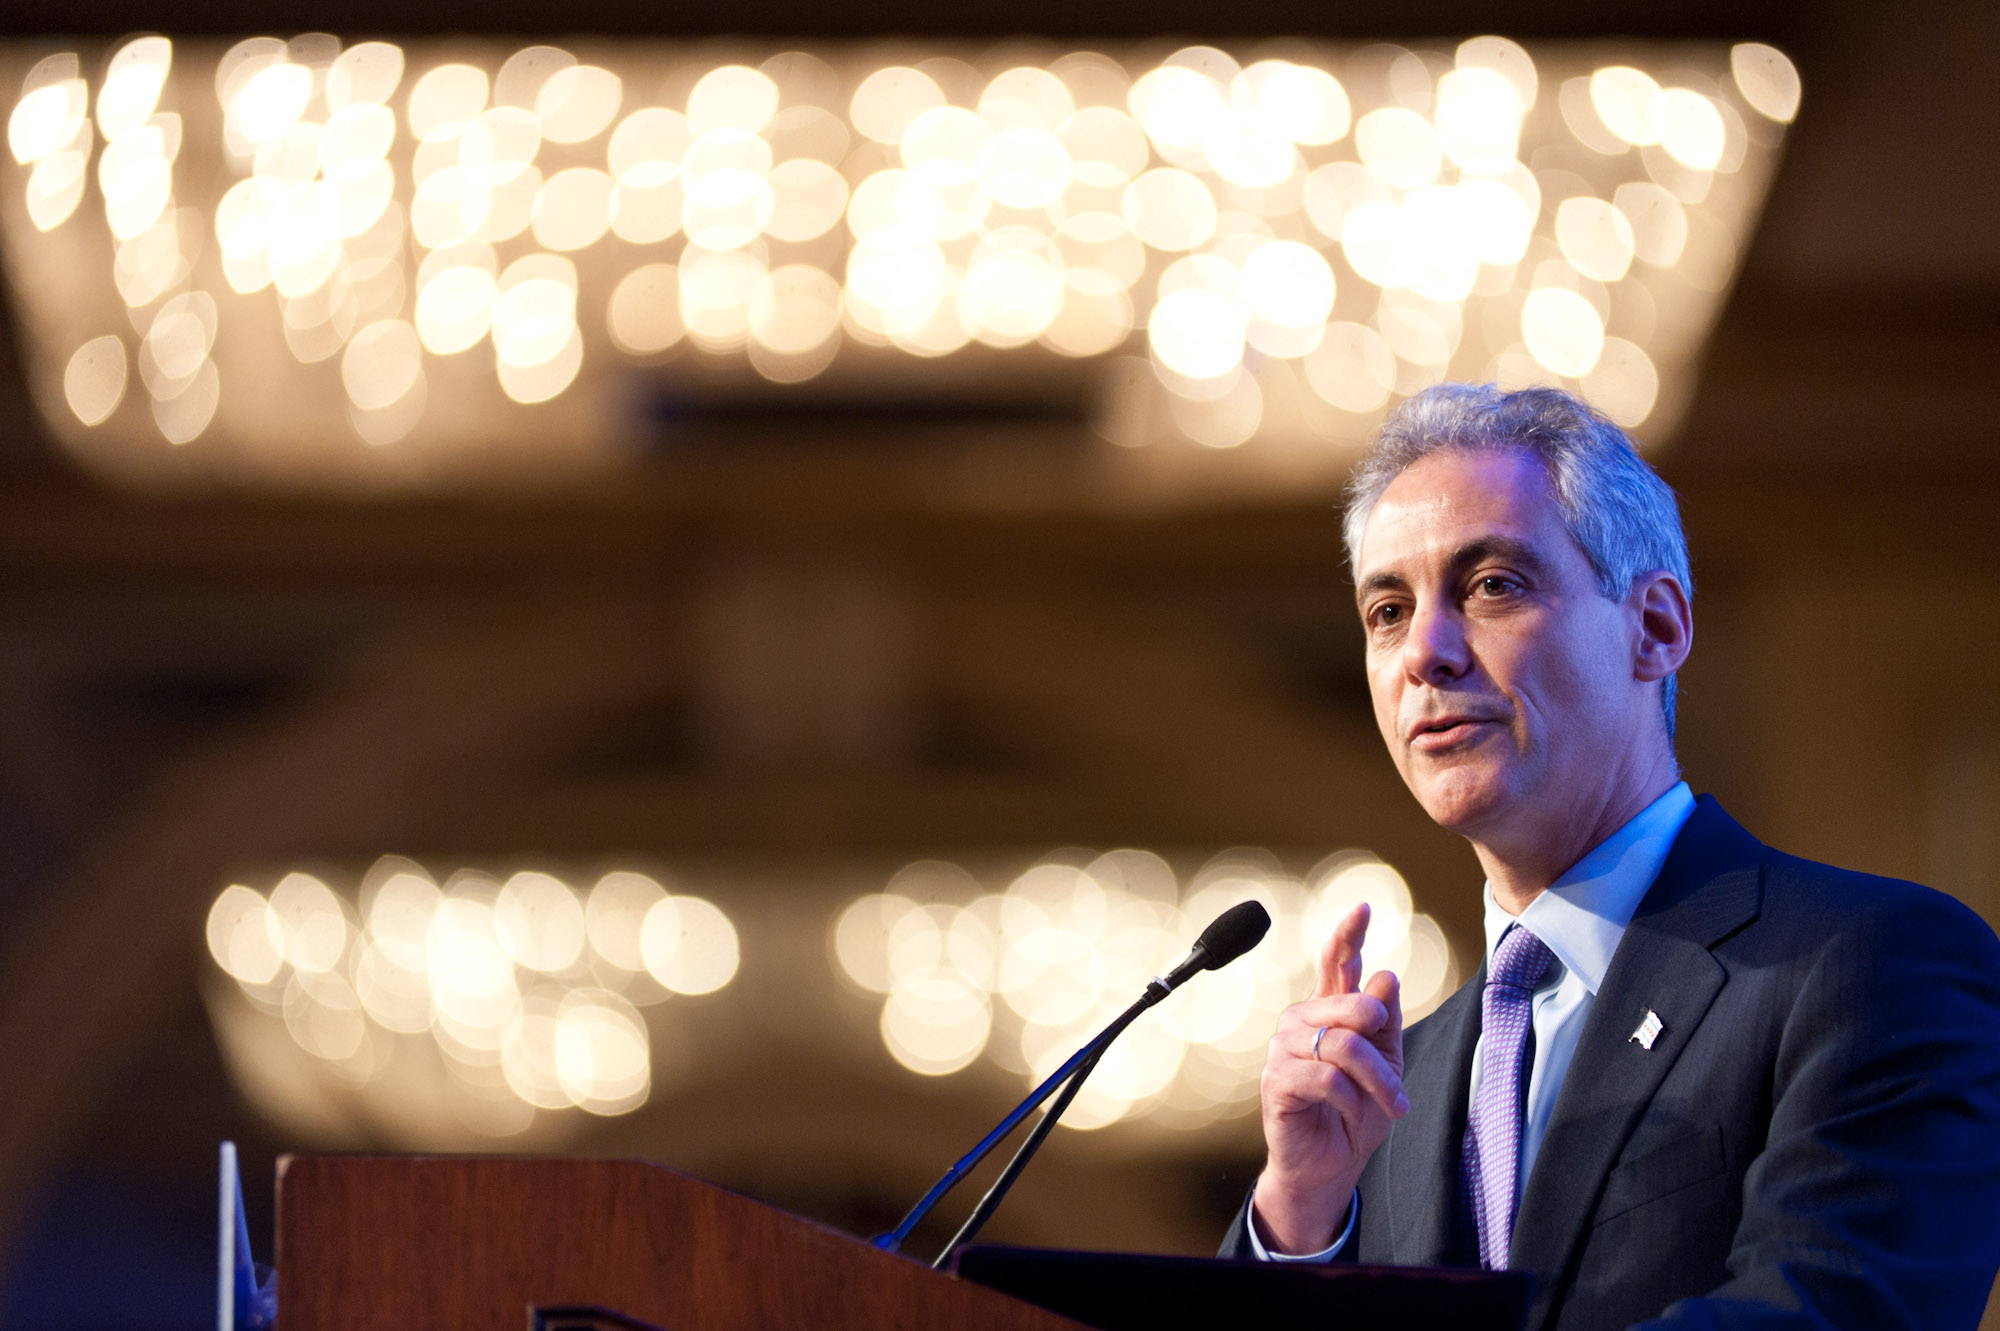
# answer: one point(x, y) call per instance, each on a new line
point(497, 1243)
point(452, 1243)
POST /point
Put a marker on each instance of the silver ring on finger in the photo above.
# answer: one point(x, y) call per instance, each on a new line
point(1317, 1037)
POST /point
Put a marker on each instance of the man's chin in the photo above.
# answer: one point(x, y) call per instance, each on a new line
point(1461, 801)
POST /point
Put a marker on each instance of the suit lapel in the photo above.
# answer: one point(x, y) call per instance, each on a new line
point(1707, 890)
point(1423, 1149)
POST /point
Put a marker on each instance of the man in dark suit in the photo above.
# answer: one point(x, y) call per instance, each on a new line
point(1696, 1082)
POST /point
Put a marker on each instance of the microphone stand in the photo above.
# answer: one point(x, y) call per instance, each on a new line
point(998, 1192)
point(1227, 937)
point(892, 1241)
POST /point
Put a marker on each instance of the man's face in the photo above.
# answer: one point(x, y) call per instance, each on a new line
point(1502, 677)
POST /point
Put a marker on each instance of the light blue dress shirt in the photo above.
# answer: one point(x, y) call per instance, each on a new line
point(1581, 917)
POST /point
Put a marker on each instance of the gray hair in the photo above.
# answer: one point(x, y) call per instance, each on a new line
point(1615, 506)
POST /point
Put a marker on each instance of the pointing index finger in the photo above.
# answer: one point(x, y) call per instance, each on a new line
point(1340, 959)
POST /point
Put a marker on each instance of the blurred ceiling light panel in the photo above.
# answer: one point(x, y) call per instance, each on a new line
point(537, 990)
point(563, 222)
point(1024, 974)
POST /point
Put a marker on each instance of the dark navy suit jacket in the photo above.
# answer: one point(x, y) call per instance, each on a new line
point(1812, 1141)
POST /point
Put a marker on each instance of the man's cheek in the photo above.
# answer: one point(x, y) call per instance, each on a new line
point(1387, 704)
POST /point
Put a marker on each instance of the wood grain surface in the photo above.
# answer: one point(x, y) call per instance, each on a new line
point(467, 1243)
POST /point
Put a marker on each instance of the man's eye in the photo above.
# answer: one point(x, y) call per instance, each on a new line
point(1385, 615)
point(1495, 585)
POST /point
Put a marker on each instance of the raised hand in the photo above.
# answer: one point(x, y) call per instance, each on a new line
point(1333, 1084)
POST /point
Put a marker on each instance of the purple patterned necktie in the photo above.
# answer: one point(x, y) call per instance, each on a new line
point(1491, 1159)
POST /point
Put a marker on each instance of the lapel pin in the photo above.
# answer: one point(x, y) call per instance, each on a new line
point(1649, 1031)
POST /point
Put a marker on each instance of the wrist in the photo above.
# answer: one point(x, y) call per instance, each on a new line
point(1294, 1219)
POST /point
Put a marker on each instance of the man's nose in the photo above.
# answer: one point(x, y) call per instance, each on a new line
point(1435, 651)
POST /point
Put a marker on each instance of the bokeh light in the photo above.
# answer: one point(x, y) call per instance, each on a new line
point(1630, 103)
point(1197, 333)
point(527, 988)
point(1399, 147)
point(889, 100)
point(51, 111)
point(243, 937)
point(1025, 975)
point(688, 945)
point(1563, 330)
point(644, 312)
point(1767, 79)
point(1375, 219)
point(1595, 237)
point(94, 380)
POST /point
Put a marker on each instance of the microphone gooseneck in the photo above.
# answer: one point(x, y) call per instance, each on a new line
point(1228, 937)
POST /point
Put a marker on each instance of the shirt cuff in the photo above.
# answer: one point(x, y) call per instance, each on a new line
point(1325, 1254)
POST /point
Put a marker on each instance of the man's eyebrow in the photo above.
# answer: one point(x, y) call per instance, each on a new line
point(1380, 582)
point(1505, 549)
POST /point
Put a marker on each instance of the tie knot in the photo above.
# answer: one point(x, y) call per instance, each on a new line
point(1521, 961)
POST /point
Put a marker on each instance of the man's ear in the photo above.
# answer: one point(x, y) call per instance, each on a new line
point(1665, 623)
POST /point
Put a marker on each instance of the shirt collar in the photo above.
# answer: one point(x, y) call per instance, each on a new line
point(1583, 914)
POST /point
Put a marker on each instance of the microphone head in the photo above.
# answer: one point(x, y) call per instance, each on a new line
point(1233, 933)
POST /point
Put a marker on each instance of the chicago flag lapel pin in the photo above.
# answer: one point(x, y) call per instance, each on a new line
point(1649, 1030)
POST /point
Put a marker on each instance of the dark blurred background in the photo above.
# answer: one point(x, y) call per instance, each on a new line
point(219, 682)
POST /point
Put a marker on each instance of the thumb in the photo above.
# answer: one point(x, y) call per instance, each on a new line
point(1340, 959)
point(1388, 990)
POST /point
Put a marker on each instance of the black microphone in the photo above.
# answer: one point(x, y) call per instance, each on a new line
point(1228, 937)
